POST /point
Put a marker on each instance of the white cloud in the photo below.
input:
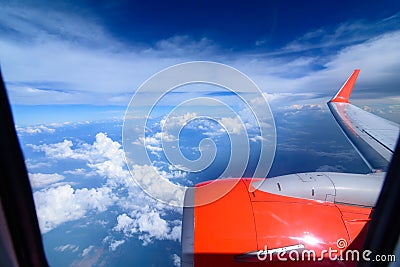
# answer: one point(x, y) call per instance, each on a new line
point(176, 260)
point(144, 216)
point(78, 171)
point(148, 225)
point(378, 79)
point(32, 164)
point(281, 97)
point(61, 204)
point(173, 173)
point(58, 151)
point(77, 58)
point(39, 180)
point(87, 250)
point(125, 224)
point(104, 156)
point(256, 138)
point(74, 56)
point(35, 129)
point(67, 247)
point(232, 125)
point(152, 143)
point(305, 107)
point(177, 120)
point(152, 224)
point(116, 243)
point(156, 185)
point(377, 60)
point(172, 125)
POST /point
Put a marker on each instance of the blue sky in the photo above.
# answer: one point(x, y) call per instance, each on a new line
point(71, 68)
point(97, 53)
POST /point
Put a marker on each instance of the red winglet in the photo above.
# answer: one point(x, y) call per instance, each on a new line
point(344, 92)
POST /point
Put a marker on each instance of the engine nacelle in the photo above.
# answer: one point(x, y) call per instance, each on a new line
point(308, 219)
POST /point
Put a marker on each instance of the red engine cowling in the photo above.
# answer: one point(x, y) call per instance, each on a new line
point(260, 228)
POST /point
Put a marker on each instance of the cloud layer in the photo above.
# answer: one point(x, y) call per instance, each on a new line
point(64, 58)
point(144, 218)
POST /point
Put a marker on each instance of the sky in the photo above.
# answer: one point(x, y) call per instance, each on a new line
point(97, 53)
point(72, 67)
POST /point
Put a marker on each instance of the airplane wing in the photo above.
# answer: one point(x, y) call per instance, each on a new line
point(245, 227)
point(373, 137)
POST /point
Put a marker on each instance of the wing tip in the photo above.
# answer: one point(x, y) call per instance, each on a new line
point(344, 93)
